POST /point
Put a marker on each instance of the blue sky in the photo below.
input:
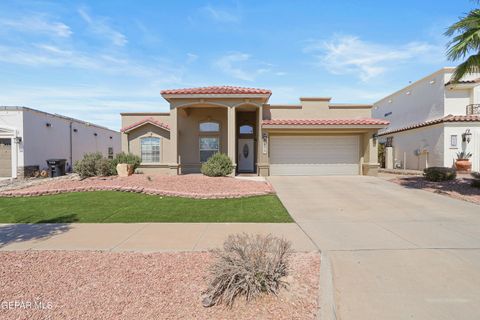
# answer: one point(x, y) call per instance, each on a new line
point(94, 59)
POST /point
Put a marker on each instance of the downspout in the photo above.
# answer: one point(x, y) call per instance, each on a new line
point(71, 146)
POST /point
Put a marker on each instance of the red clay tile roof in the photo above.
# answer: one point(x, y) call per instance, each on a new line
point(449, 118)
point(145, 121)
point(325, 122)
point(463, 81)
point(217, 90)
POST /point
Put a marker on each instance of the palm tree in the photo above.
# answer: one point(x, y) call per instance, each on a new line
point(466, 39)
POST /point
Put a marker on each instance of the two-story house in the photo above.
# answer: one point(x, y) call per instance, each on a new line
point(431, 120)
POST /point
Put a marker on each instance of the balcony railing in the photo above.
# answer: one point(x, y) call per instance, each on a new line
point(473, 109)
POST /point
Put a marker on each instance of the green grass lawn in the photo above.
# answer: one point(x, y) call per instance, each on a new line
point(111, 206)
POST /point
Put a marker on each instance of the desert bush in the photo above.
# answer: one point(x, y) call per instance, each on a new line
point(247, 266)
point(476, 179)
point(92, 164)
point(123, 157)
point(218, 165)
point(438, 174)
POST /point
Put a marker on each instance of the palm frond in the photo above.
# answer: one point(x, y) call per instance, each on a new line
point(471, 65)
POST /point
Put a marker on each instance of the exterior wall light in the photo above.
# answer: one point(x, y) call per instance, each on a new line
point(467, 136)
point(17, 139)
point(95, 134)
point(48, 124)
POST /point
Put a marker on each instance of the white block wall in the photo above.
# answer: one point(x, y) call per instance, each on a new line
point(41, 142)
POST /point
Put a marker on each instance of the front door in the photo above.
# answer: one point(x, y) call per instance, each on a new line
point(245, 155)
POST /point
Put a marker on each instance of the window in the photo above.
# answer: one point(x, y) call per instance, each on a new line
point(208, 147)
point(110, 153)
point(209, 127)
point(150, 150)
point(453, 140)
point(389, 142)
point(246, 129)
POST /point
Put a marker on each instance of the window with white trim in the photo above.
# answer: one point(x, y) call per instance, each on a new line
point(150, 149)
point(453, 140)
point(208, 147)
point(209, 126)
point(209, 140)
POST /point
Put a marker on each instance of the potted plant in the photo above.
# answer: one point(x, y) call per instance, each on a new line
point(463, 161)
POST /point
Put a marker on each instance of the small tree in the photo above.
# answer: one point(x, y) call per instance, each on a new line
point(218, 165)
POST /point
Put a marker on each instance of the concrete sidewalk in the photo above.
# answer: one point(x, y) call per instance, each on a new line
point(140, 237)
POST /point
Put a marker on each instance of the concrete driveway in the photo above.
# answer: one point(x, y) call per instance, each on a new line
point(389, 252)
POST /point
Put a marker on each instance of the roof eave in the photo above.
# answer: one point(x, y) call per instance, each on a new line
point(306, 127)
point(265, 96)
point(128, 129)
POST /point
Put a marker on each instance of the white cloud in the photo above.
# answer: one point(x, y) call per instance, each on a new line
point(221, 15)
point(191, 57)
point(47, 55)
point(239, 65)
point(37, 24)
point(100, 26)
point(346, 54)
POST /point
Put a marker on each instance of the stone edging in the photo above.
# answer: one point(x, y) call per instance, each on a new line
point(18, 193)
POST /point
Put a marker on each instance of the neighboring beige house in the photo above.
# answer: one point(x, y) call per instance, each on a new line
point(315, 137)
point(431, 120)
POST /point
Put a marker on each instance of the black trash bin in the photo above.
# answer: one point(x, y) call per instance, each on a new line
point(56, 167)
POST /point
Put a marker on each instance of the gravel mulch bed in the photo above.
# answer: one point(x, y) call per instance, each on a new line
point(459, 188)
point(102, 285)
point(191, 186)
point(15, 184)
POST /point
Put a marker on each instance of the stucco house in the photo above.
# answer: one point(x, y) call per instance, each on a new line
point(29, 137)
point(315, 137)
point(431, 120)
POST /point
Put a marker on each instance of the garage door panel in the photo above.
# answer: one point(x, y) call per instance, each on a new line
point(314, 155)
point(5, 158)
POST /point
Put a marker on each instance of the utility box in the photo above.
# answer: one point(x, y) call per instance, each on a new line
point(56, 167)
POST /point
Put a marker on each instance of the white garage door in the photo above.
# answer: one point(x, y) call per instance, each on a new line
point(314, 155)
point(5, 158)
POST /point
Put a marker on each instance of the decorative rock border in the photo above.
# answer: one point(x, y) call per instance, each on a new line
point(227, 195)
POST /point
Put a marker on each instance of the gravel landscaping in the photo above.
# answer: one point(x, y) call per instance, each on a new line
point(102, 285)
point(459, 188)
point(190, 186)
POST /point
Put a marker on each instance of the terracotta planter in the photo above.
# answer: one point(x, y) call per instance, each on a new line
point(463, 165)
point(124, 170)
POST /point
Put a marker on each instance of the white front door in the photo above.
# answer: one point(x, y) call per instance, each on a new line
point(245, 155)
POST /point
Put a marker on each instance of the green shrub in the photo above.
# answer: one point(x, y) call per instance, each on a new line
point(123, 157)
point(92, 164)
point(218, 165)
point(439, 174)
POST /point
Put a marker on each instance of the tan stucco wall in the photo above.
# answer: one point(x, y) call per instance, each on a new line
point(189, 134)
point(316, 110)
point(131, 118)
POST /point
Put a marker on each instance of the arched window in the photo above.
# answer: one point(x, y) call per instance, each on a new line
point(209, 126)
point(150, 149)
point(246, 129)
